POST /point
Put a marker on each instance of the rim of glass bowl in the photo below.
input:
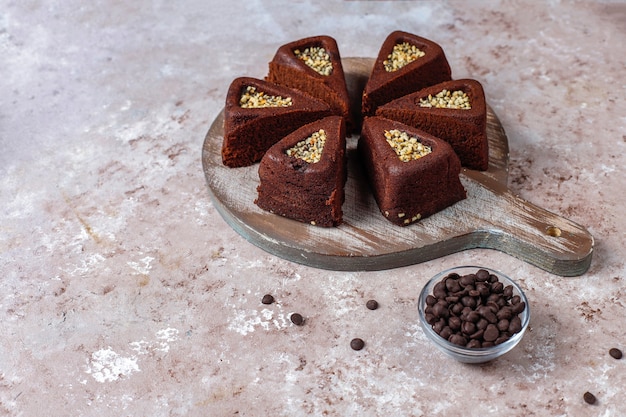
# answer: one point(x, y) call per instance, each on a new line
point(500, 349)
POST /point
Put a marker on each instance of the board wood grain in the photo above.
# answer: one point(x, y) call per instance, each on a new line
point(491, 216)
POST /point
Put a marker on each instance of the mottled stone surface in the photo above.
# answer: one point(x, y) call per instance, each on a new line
point(124, 292)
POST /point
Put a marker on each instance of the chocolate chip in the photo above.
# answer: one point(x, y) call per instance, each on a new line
point(446, 332)
point(454, 323)
point(468, 301)
point(589, 398)
point(488, 314)
point(457, 339)
point(439, 325)
point(452, 285)
point(441, 309)
point(466, 280)
point(357, 343)
point(439, 290)
point(508, 291)
point(491, 333)
point(478, 335)
point(473, 316)
point(430, 300)
point(483, 289)
point(502, 339)
point(482, 324)
point(372, 304)
point(515, 325)
point(503, 325)
point(519, 307)
point(482, 275)
point(456, 309)
point(615, 353)
point(297, 319)
point(468, 327)
point(493, 306)
point(474, 344)
point(505, 313)
point(267, 299)
point(497, 287)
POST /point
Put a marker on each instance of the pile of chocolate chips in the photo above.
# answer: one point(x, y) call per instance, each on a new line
point(474, 310)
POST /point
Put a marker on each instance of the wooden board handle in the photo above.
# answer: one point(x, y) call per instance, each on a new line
point(529, 232)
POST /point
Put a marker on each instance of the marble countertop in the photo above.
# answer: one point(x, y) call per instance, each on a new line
point(124, 292)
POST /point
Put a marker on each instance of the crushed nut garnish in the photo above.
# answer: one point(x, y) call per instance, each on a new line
point(403, 53)
point(412, 219)
point(317, 58)
point(407, 148)
point(309, 149)
point(252, 99)
point(447, 100)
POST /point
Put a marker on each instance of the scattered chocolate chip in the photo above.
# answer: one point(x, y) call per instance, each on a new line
point(357, 343)
point(372, 304)
point(297, 319)
point(267, 299)
point(615, 353)
point(589, 398)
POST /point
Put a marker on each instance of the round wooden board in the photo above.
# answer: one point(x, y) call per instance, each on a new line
point(490, 217)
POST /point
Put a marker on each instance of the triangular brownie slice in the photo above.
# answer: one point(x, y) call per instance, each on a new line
point(302, 177)
point(405, 63)
point(454, 111)
point(412, 173)
point(258, 114)
point(313, 65)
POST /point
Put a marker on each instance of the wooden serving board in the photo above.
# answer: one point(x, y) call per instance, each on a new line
point(491, 217)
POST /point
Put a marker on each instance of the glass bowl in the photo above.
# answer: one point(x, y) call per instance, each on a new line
point(462, 353)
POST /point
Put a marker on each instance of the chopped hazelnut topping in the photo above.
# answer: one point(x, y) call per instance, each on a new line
point(309, 149)
point(407, 148)
point(447, 100)
point(403, 53)
point(317, 58)
point(252, 99)
point(412, 219)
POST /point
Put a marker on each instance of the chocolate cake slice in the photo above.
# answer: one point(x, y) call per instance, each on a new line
point(412, 173)
point(405, 63)
point(454, 111)
point(313, 65)
point(302, 177)
point(258, 114)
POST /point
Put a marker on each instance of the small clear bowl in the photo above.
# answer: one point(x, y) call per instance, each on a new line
point(461, 353)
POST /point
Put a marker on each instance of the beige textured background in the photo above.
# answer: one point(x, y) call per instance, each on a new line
point(123, 292)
